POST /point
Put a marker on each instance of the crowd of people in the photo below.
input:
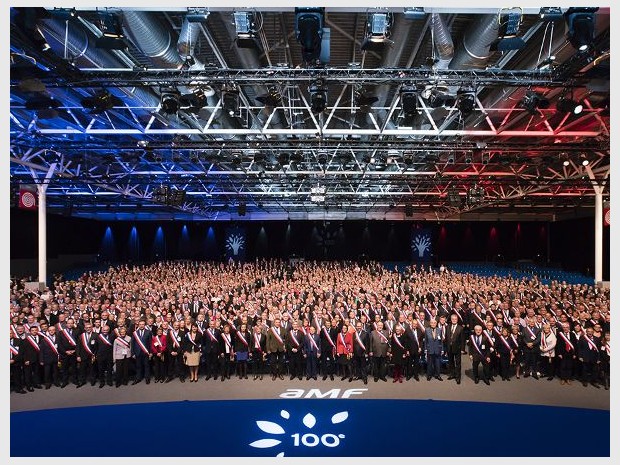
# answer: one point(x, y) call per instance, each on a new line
point(269, 318)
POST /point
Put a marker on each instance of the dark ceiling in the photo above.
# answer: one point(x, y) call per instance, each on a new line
point(182, 122)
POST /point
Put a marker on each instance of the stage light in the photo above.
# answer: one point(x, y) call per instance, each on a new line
point(468, 157)
point(246, 30)
point(551, 13)
point(196, 100)
point(509, 20)
point(170, 102)
point(580, 23)
point(532, 101)
point(364, 101)
point(241, 209)
point(270, 99)
point(454, 199)
point(485, 158)
point(409, 100)
point(416, 12)
point(585, 162)
point(318, 96)
point(465, 102)
point(309, 32)
point(377, 31)
point(566, 163)
point(100, 102)
point(450, 158)
point(112, 28)
point(197, 15)
point(64, 13)
point(230, 100)
point(568, 105)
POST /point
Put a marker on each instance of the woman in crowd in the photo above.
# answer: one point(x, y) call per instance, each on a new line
point(158, 350)
point(191, 352)
point(241, 343)
point(121, 349)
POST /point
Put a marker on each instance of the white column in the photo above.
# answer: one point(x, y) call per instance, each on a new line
point(42, 234)
point(598, 235)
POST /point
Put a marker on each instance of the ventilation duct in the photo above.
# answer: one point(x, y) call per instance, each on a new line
point(443, 41)
point(151, 37)
point(474, 51)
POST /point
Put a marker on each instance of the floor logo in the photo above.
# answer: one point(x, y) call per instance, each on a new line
point(300, 439)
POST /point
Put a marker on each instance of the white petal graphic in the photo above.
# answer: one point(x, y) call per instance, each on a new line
point(340, 417)
point(270, 427)
point(264, 443)
point(284, 414)
point(281, 454)
point(309, 420)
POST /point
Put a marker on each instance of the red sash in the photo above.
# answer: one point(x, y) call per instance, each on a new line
point(344, 343)
point(69, 337)
point(85, 345)
point(531, 332)
point(273, 331)
point(189, 337)
point(242, 338)
point(489, 338)
point(33, 344)
point(514, 339)
point(503, 339)
point(226, 341)
point(104, 340)
point(257, 341)
point(294, 339)
point(123, 341)
point(359, 341)
point(50, 343)
point(140, 343)
point(479, 318)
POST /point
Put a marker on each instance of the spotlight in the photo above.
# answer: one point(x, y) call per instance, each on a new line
point(170, 102)
point(364, 101)
point(450, 158)
point(236, 158)
point(230, 100)
point(566, 163)
point(509, 21)
point(416, 12)
point(64, 13)
point(246, 30)
point(196, 100)
point(485, 158)
point(111, 26)
point(585, 162)
point(377, 31)
point(197, 15)
point(309, 32)
point(318, 96)
point(468, 157)
point(454, 199)
point(580, 23)
point(241, 209)
point(409, 100)
point(551, 13)
point(100, 102)
point(567, 105)
point(465, 102)
point(532, 101)
point(271, 99)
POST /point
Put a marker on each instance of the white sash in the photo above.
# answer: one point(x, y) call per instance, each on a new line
point(514, 339)
point(489, 338)
point(69, 337)
point(257, 341)
point(567, 341)
point(123, 341)
point(85, 345)
point(531, 332)
point(189, 337)
point(503, 339)
point(479, 318)
point(344, 343)
point(273, 331)
point(359, 341)
point(104, 340)
point(213, 338)
point(226, 341)
point(140, 343)
point(14, 350)
point(175, 339)
point(50, 343)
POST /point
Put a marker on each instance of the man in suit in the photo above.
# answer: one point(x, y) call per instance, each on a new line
point(211, 350)
point(104, 356)
point(416, 346)
point(479, 353)
point(531, 344)
point(312, 352)
point(328, 349)
point(174, 353)
point(17, 363)
point(31, 350)
point(294, 345)
point(361, 347)
point(276, 349)
point(86, 349)
point(434, 349)
point(257, 351)
point(589, 356)
point(566, 352)
point(454, 342)
point(67, 347)
point(379, 350)
point(50, 357)
point(141, 352)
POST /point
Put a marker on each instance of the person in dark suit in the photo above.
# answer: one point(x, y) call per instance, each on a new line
point(105, 356)
point(17, 364)
point(227, 352)
point(50, 357)
point(294, 345)
point(257, 351)
point(379, 350)
point(86, 349)
point(531, 344)
point(174, 354)
point(276, 349)
point(400, 352)
point(361, 347)
point(434, 349)
point(416, 348)
point(454, 343)
point(479, 354)
point(141, 352)
point(32, 354)
point(241, 342)
point(328, 349)
point(67, 347)
point(566, 352)
point(589, 356)
point(504, 348)
point(311, 352)
point(211, 350)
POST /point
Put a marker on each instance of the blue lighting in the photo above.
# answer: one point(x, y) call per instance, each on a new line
point(159, 245)
point(133, 245)
point(108, 248)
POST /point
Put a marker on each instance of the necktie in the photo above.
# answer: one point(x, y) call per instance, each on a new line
point(434, 334)
point(478, 340)
point(141, 332)
point(567, 346)
point(453, 328)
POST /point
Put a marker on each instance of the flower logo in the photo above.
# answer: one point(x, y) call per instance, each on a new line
point(300, 439)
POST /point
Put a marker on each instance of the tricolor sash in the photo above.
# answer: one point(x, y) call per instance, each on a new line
point(69, 337)
point(210, 333)
point(396, 339)
point(14, 330)
point(294, 339)
point(193, 341)
point(85, 344)
point(479, 317)
point(257, 341)
point(313, 343)
point(240, 336)
point(175, 338)
point(531, 332)
point(344, 343)
point(607, 349)
point(226, 341)
point(514, 340)
point(385, 339)
point(277, 336)
point(123, 342)
point(506, 343)
point(104, 340)
point(567, 340)
point(329, 339)
point(140, 343)
point(14, 350)
point(591, 343)
point(486, 333)
point(359, 341)
point(473, 340)
point(50, 343)
point(33, 343)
